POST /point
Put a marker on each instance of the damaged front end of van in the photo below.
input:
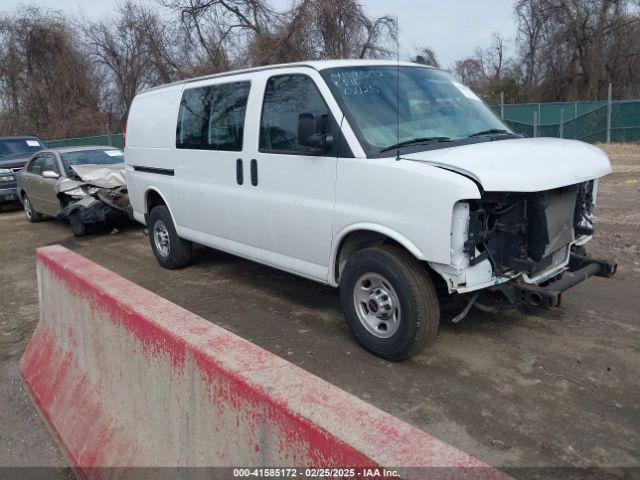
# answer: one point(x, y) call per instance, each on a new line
point(523, 248)
point(537, 240)
point(523, 240)
point(97, 194)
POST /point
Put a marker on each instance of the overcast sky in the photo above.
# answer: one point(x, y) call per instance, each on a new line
point(453, 28)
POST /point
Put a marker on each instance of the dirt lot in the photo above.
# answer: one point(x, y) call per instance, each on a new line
point(553, 389)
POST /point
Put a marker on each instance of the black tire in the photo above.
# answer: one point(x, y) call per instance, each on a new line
point(178, 251)
point(29, 212)
point(78, 228)
point(419, 313)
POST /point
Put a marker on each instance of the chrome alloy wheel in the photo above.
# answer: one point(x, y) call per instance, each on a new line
point(161, 238)
point(377, 305)
point(28, 209)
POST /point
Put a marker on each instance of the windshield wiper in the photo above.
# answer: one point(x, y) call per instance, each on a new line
point(489, 132)
point(416, 141)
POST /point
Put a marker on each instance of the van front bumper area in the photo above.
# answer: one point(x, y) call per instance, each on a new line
point(549, 294)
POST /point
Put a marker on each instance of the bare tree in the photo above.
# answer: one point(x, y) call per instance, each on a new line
point(120, 48)
point(490, 72)
point(336, 29)
point(572, 49)
point(48, 86)
point(250, 32)
point(215, 28)
point(530, 24)
point(426, 56)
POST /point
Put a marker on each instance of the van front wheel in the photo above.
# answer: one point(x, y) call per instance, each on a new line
point(389, 302)
point(171, 251)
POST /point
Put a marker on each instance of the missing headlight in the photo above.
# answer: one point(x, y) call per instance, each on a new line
point(522, 232)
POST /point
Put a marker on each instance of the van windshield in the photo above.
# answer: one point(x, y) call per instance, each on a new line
point(416, 106)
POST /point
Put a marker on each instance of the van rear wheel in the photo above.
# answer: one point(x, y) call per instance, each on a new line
point(389, 301)
point(171, 251)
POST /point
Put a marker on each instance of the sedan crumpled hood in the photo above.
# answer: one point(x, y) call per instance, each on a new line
point(523, 164)
point(103, 176)
point(100, 193)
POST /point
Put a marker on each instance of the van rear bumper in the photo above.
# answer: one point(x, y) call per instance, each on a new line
point(549, 294)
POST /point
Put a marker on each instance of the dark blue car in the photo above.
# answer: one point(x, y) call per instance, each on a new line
point(14, 153)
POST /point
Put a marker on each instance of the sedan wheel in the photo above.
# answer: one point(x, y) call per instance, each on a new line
point(29, 212)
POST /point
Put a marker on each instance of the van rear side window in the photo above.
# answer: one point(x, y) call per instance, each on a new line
point(212, 117)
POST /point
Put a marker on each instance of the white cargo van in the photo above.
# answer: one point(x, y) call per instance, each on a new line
point(393, 182)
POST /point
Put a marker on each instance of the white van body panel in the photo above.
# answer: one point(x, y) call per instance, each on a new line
point(292, 215)
point(285, 222)
point(415, 209)
point(151, 142)
point(304, 207)
point(151, 121)
point(213, 210)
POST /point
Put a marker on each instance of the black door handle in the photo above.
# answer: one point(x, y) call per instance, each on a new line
point(254, 172)
point(239, 172)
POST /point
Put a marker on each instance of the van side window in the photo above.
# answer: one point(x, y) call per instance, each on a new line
point(285, 98)
point(212, 117)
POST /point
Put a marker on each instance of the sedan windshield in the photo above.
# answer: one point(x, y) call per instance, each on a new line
point(394, 107)
point(12, 146)
point(90, 157)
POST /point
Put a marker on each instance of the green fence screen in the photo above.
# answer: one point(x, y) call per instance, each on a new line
point(99, 140)
point(586, 121)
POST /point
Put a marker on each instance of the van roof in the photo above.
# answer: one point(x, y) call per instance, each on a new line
point(315, 64)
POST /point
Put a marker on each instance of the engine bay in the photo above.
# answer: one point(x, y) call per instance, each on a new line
point(529, 232)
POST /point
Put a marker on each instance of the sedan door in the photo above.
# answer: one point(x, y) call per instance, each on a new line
point(30, 181)
point(44, 189)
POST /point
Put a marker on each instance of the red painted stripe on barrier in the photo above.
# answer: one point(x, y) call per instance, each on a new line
point(87, 448)
point(152, 335)
point(315, 424)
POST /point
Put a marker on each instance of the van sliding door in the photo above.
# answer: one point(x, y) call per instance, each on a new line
point(213, 208)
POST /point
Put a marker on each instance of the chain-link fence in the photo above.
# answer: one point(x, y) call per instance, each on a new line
point(601, 121)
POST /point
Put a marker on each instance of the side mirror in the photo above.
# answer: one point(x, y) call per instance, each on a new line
point(50, 174)
point(310, 131)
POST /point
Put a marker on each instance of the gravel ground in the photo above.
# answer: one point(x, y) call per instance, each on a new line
point(551, 389)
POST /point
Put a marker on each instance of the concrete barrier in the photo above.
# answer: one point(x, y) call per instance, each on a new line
point(124, 378)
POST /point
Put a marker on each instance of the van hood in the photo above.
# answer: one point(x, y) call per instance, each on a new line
point(522, 164)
